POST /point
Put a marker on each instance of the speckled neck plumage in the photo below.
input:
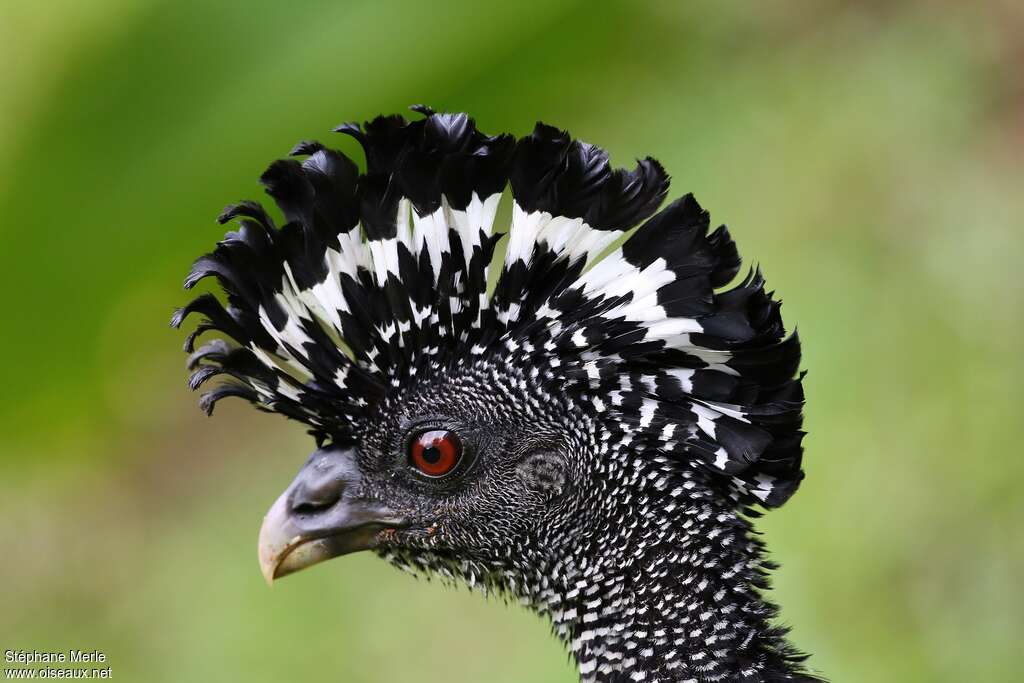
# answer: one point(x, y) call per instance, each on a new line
point(673, 596)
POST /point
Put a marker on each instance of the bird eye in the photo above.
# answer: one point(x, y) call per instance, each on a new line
point(435, 452)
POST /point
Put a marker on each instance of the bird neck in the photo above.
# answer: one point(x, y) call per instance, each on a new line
point(666, 587)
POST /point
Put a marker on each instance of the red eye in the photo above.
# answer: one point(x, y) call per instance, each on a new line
point(435, 452)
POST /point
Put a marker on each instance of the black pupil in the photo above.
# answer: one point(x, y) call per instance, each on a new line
point(431, 454)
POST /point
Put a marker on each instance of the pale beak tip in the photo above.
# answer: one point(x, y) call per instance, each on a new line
point(274, 540)
point(268, 572)
point(268, 565)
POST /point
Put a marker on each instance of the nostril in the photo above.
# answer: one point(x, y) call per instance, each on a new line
point(306, 507)
point(317, 495)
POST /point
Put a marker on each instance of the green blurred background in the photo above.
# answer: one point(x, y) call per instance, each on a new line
point(867, 154)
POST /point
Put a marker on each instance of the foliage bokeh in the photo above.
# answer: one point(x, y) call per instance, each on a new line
point(866, 154)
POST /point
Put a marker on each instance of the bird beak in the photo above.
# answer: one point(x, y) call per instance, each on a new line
point(320, 516)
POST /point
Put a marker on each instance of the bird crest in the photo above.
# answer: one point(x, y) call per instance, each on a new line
point(379, 278)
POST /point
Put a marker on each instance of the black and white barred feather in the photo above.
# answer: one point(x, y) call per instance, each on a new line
point(377, 277)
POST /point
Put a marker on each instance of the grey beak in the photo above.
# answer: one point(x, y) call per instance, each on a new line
point(319, 516)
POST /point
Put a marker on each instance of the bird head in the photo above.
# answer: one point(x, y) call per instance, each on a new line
point(463, 474)
point(611, 395)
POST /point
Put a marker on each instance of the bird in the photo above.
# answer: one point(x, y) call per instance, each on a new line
point(523, 372)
